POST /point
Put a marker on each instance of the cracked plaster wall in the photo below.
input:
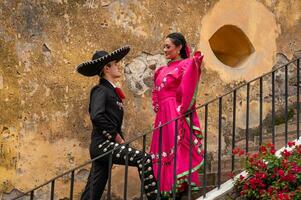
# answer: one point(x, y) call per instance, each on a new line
point(44, 124)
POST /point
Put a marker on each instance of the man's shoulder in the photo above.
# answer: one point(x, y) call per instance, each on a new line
point(99, 88)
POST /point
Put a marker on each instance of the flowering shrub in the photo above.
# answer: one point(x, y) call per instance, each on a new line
point(269, 176)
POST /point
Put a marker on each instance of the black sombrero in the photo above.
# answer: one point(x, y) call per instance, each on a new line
point(100, 59)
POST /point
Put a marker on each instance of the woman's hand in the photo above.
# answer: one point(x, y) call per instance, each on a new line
point(198, 57)
point(118, 139)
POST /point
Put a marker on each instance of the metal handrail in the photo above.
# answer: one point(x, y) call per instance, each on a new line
point(206, 104)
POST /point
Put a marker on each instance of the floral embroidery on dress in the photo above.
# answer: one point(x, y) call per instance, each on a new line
point(164, 154)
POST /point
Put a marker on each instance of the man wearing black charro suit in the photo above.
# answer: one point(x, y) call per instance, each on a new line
point(106, 113)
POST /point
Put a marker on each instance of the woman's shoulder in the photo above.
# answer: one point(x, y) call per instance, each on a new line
point(184, 63)
point(158, 70)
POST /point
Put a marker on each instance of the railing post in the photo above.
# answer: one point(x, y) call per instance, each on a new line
point(175, 161)
point(219, 141)
point(247, 117)
point(126, 172)
point(205, 152)
point(273, 107)
point(260, 109)
point(71, 185)
point(143, 167)
point(110, 176)
point(32, 195)
point(160, 164)
point(286, 104)
point(190, 156)
point(52, 189)
point(298, 98)
point(233, 130)
point(91, 182)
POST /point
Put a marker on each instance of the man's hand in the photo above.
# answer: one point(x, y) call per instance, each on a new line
point(118, 139)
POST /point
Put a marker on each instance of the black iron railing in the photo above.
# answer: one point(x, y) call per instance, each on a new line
point(244, 135)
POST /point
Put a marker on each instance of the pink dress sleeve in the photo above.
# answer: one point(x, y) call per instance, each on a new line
point(188, 87)
point(155, 92)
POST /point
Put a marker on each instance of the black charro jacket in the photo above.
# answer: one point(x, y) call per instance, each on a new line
point(106, 112)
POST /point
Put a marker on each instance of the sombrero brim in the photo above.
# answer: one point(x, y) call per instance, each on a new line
point(93, 67)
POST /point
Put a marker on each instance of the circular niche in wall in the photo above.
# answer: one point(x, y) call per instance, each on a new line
point(238, 39)
point(231, 46)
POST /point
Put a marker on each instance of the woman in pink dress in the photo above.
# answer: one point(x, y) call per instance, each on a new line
point(174, 93)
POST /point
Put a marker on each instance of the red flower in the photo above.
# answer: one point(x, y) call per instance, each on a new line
point(260, 164)
point(270, 190)
point(273, 151)
point(260, 175)
point(296, 169)
point(285, 164)
point(263, 149)
point(242, 152)
point(280, 172)
point(236, 150)
point(270, 176)
point(254, 156)
point(289, 178)
point(253, 183)
point(286, 153)
point(283, 196)
point(290, 144)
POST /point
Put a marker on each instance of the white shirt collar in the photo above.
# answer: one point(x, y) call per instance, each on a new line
point(112, 84)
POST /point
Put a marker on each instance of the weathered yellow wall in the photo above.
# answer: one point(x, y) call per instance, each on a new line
point(44, 124)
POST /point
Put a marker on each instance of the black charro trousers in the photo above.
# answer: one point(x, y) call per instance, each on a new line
point(100, 168)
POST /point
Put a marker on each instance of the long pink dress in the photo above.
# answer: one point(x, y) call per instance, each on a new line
point(174, 93)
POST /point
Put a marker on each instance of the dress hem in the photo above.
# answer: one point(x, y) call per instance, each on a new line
point(180, 182)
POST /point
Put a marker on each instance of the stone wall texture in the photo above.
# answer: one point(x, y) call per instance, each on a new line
point(44, 123)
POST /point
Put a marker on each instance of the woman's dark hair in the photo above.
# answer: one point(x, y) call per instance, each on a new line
point(179, 39)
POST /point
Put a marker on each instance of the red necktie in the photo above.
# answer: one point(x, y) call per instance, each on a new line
point(119, 93)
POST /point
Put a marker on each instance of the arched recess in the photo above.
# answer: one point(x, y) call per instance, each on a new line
point(238, 40)
point(231, 45)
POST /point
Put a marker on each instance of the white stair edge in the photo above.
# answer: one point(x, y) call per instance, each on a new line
point(225, 187)
point(228, 185)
